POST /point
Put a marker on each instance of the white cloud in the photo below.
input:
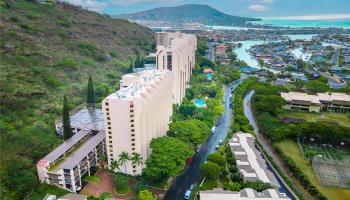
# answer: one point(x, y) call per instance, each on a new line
point(264, 1)
point(93, 5)
point(257, 8)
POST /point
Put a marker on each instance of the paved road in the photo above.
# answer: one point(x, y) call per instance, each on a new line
point(249, 114)
point(191, 173)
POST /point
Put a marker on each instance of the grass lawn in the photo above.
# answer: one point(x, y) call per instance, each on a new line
point(43, 189)
point(92, 179)
point(333, 117)
point(291, 149)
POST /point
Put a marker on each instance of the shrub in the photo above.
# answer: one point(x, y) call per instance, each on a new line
point(121, 184)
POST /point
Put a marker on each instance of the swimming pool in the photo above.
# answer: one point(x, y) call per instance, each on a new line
point(210, 77)
point(200, 103)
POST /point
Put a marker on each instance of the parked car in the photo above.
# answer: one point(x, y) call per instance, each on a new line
point(217, 147)
point(198, 148)
point(187, 194)
point(213, 129)
point(189, 160)
point(220, 142)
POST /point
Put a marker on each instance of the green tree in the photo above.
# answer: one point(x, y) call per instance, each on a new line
point(167, 158)
point(218, 159)
point(146, 195)
point(191, 131)
point(123, 159)
point(91, 98)
point(210, 170)
point(142, 62)
point(115, 165)
point(136, 159)
point(67, 129)
point(131, 66)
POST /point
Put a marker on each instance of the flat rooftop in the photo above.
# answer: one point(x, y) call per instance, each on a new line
point(244, 194)
point(135, 84)
point(249, 159)
point(315, 99)
point(79, 145)
point(88, 119)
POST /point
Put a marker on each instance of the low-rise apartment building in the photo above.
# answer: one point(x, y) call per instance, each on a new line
point(69, 162)
point(249, 161)
point(318, 102)
point(252, 167)
point(137, 113)
point(176, 52)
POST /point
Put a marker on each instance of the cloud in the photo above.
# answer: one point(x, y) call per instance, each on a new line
point(264, 1)
point(257, 8)
point(93, 5)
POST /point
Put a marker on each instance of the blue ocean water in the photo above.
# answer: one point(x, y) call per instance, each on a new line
point(343, 23)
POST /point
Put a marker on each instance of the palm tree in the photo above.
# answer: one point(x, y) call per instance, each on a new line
point(136, 160)
point(115, 165)
point(103, 161)
point(123, 159)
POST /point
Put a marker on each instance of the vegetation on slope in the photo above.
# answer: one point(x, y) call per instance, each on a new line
point(47, 51)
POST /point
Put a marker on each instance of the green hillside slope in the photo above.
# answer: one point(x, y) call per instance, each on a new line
point(48, 51)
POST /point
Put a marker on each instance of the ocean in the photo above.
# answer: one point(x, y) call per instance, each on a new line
point(339, 23)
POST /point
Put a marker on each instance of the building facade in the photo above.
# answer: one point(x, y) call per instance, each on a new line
point(316, 103)
point(137, 113)
point(68, 163)
point(176, 52)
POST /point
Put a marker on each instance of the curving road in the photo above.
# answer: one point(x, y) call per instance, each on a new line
point(284, 188)
point(192, 173)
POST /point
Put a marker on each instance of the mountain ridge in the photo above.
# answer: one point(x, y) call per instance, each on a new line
point(200, 13)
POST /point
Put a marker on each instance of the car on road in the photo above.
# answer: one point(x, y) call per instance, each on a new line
point(187, 194)
point(192, 187)
point(220, 142)
point(198, 148)
point(213, 130)
point(217, 147)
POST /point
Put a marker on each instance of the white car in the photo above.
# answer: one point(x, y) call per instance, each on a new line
point(213, 129)
point(220, 142)
point(187, 194)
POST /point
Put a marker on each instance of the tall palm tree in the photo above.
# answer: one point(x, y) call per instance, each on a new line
point(123, 159)
point(136, 160)
point(115, 165)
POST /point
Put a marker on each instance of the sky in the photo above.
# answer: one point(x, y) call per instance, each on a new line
point(251, 8)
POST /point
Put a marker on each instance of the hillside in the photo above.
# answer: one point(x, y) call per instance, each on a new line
point(48, 51)
point(203, 14)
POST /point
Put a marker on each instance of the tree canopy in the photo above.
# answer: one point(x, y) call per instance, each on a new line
point(190, 131)
point(167, 158)
point(210, 170)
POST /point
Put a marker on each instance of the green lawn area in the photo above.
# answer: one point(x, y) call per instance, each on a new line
point(92, 179)
point(340, 118)
point(291, 149)
point(43, 189)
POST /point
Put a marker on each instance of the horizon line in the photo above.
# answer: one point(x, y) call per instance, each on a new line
point(312, 17)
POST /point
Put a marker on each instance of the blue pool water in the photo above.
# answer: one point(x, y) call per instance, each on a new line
point(200, 103)
point(210, 77)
